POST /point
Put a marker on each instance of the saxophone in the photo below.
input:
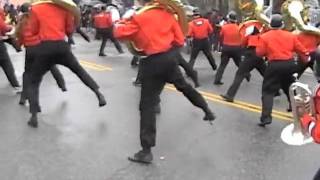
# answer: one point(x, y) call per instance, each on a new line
point(173, 6)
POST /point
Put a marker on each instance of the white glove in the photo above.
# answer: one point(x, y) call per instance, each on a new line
point(128, 14)
point(10, 33)
point(309, 59)
point(249, 30)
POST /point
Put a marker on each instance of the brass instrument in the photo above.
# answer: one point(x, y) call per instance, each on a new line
point(295, 14)
point(302, 103)
point(253, 9)
point(173, 6)
point(66, 4)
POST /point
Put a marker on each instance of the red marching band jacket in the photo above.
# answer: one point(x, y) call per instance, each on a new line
point(27, 36)
point(251, 40)
point(309, 41)
point(280, 49)
point(200, 28)
point(102, 20)
point(230, 34)
point(55, 22)
point(148, 34)
point(310, 123)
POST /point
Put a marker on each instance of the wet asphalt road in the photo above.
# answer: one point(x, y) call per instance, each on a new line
point(76, 140)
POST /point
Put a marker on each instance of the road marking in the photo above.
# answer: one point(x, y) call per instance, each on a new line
point(240, 104)
point(94, 66)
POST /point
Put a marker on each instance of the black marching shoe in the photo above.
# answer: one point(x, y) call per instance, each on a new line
point(289, 108)
point(226, 98)
point(248, 78)
point(142, 156)
point(101, 99)
point(33, 122)
point(209, 116)
point(102, 54)
point(63, 89)
point(137, 83)
point(218, 83)
point(264, 122)
point(22, 101)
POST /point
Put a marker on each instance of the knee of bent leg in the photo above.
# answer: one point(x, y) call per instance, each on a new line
point(148, 102)
point(183, 86)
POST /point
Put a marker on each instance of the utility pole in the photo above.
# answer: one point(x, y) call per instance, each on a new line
point(224, 6)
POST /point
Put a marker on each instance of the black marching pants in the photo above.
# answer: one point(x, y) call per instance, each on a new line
point(29, 59)
point(278, 75)
point(187, 68)
point(157, 70)
point(135, 60)
point(108, 34)
point(204, 46)
point(228, 52)
point(303, 66)
point(251, 61)
point(181, 62)
point(7, 66)
point(49, 54)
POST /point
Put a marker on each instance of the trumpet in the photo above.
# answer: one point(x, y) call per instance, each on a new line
point(302, 103)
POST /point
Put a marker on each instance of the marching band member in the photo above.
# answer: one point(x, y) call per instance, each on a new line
point(52, 24)
point(5, 61)
point(104, 25)
point(278, 46)
point(231, 46)
point(158, 68)
point(200, 30)
point(181, 61)
point(30, 41)
point(251, 61)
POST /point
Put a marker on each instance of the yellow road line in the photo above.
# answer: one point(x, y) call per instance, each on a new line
point(252, 106)
point(91, 67)
point(209, 96)
point(239, 104)
point(95, 66)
